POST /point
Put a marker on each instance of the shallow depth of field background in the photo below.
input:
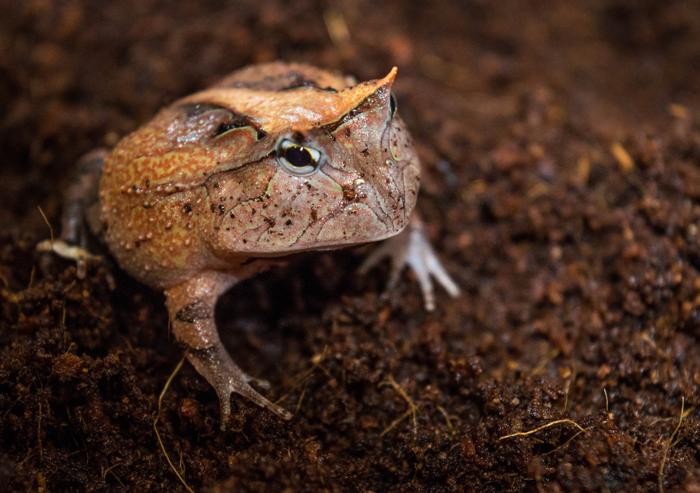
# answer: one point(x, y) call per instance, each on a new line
point(561, 184)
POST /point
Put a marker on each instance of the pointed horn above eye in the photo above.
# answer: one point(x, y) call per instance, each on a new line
point(371, 86)
point(391, 76)
point(350, 98)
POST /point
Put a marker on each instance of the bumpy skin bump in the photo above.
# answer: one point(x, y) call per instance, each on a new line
point(197, 199)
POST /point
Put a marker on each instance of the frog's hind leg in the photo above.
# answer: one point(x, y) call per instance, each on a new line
point(191, 308)
point(80, 217)
point(411, 248)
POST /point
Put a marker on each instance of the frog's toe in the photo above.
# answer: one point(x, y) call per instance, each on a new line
point(411, 248)
point(258, 382)
point(232, 384)
point(227, 378)
point(424, 262)
point(70, 252)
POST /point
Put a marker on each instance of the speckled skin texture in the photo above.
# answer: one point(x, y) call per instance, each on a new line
point(198, 198)
point(178, 200)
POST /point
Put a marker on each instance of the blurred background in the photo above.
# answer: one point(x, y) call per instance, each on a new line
point(561, 185)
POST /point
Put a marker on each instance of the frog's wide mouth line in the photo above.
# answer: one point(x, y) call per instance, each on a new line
point(317, 246)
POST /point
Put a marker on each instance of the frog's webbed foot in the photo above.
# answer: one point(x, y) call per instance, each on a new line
point(191, 308)
point(80, 216)
point(411, 248)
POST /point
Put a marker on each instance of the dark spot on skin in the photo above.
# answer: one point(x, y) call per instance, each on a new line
point(288, 222)
point(187, 208)
point(191, 313)
point(365, 151)
point(232, 215)
point(298, 137)
point(215, 184)
point(348, 132)
point(349, 193)
point(280, 82)
point(222, 209)
point(197, 109)
point(314, 214)
point(298, 81)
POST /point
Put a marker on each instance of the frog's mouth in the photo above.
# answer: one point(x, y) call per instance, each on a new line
point(351, 225)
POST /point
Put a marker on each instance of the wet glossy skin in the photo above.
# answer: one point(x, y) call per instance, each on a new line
point(200, 188)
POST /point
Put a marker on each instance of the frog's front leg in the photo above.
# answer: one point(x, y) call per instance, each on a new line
point(411, 248)
point(191, 308)
point(80, 216)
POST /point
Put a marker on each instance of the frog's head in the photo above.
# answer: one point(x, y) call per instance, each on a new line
point(292, 169)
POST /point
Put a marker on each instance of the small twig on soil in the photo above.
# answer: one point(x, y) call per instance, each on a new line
point(671, 442)
point(155, 426)
point(109, 470)
point(447, 419)
point(411, 411)
point(300, 400)
point(546, 425)
point(303, 379)
point(31, 277)
point(46, 220)
point(567, 389)
point(567, 442)
point(543, 362)
point(607, 404)
point(624, 160)
point(38, 436)
point(336, 26)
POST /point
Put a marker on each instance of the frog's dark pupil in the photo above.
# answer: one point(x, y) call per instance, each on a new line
point(392, 104)
point(298, 156)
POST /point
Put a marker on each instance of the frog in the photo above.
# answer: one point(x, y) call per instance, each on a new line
point(272, 161)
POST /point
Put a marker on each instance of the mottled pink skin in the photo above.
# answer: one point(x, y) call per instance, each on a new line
point(177, 201)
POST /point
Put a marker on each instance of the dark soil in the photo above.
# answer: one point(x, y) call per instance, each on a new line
point(561, 149)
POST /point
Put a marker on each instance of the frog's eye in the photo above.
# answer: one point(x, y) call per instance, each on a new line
point(392, 105)
point(298, 159)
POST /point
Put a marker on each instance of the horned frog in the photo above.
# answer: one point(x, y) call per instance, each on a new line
point(273, 160)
